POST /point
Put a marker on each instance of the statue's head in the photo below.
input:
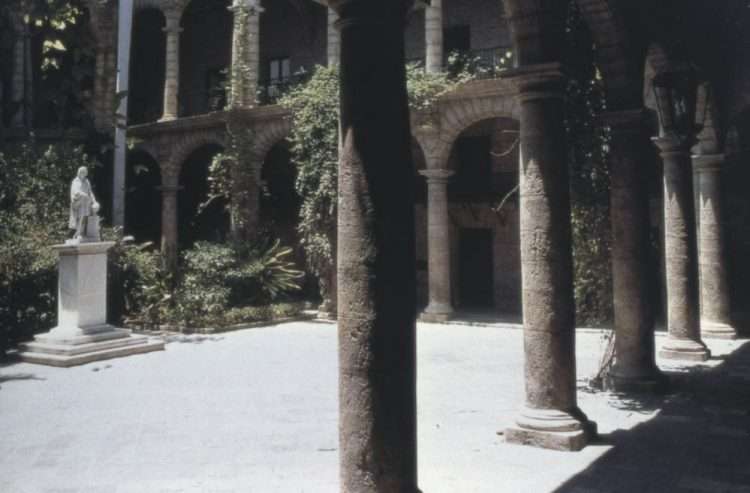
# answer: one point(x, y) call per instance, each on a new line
point(83, 172)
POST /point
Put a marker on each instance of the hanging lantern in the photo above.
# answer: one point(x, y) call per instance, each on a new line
point(676, 89)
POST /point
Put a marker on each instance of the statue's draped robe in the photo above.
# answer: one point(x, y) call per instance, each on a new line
point(81, 201)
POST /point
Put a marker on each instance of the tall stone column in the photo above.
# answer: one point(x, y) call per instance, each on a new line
point(439, 308)
point(376, 254)
point(172, 65)
point(635, 365)
point(169, 189)
point(21, 80)
point(245, 53)
point(680, 245)
point(714, 285)
point(551, 417)
point(433, 27)
point(334, 39)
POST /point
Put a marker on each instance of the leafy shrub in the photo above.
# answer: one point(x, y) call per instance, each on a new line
point(139, 287)
point(218, 277)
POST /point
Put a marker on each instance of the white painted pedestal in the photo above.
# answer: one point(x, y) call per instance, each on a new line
point(82, 334)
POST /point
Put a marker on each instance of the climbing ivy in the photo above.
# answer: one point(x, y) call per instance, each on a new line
point(314, 137)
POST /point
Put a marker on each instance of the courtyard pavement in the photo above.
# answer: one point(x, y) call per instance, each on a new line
point(256, 411)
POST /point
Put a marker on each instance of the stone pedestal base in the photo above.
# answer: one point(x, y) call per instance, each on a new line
point(551, 429)
point(67, 348)
point(685, 350)
point(648, 383)
point(82, 334)
point(435, 313)
point(716, 330)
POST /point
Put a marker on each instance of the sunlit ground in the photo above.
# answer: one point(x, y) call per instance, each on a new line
point(256, 411)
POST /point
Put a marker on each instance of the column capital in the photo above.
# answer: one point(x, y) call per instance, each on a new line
point(437, 175)
point(708, 163)
point(670, 145)
point(251, 7)
point(539, 81)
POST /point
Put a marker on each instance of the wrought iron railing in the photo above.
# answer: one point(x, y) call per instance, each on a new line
point(270, 90)
point(486, 63)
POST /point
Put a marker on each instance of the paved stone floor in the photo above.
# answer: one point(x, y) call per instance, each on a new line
point(255, 411)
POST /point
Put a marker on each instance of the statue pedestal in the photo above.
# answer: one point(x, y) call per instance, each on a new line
point(82, 334)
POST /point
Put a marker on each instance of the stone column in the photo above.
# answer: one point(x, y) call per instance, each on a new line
point(433, 28)
point(551, 417)
point(439, 308)
point(376, 254)
point(635, 365)
point(714, 286)
point(20, 83)
point(245, 53)
point(169, 191)
point(334, 39)
point(684, 341)
point(172, 64)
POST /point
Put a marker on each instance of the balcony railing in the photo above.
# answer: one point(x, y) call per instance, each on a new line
point(270, 90)
point(486, 63)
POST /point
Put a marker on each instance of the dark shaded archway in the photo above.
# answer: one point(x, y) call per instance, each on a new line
point(143, 198)
point(195, 223)
point(205, 56)
point(485, 238)
point(147, 62)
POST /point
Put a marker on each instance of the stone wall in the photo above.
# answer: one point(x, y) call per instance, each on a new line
point(294, 30)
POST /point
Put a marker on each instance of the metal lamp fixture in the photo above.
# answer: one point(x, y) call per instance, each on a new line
point(676, 91)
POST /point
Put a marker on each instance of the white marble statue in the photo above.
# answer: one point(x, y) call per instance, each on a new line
point(83, 208)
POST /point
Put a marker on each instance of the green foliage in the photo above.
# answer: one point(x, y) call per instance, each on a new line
point(424, 88)
point(589, 177)
point(217, 277)
point(33, 215)
point(140, 288)
point(67, 57)
point(314, 107)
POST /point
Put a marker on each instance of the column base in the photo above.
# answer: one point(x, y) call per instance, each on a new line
point(167, 118)
point(684, 350)
point(651, 381)
point(552, 429)
point(717, 330)
point(435, 313)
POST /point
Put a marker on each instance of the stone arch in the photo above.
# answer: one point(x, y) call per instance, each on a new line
point(184, 147)
point(212, 221)
point(267, 135)
point(459, 115)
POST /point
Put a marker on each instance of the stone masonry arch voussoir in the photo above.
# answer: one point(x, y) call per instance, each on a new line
point(458, 115)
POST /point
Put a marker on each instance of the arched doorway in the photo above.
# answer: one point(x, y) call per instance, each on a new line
point(205, 56)
point(147, 62)
point(196, 223)
point(279, 202)
point(143, 198)
point(483, 210)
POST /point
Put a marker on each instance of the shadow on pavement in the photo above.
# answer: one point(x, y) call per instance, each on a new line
point(699, 442)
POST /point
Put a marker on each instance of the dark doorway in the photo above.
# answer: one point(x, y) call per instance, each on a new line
point(475, 268)
point(196, 223)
